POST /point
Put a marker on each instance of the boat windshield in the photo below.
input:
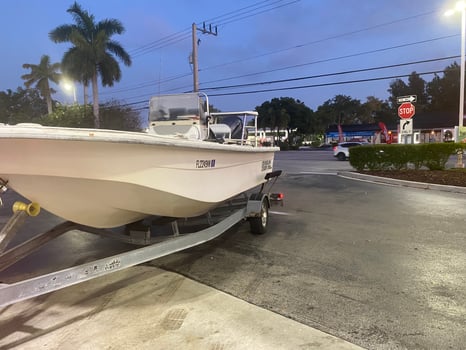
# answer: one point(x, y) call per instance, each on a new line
point(227, 118)
point(176, 107)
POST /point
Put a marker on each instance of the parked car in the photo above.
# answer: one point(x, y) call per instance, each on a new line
point(341, 151)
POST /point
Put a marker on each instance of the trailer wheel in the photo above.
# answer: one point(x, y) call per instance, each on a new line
point(258, 224)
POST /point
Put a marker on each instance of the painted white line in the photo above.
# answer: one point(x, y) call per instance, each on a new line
point(279, 213)
point(372, 181)
point(317, 173)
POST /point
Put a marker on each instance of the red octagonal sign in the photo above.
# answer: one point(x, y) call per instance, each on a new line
point(406, 110)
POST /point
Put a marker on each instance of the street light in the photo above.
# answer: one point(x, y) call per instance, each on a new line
point(68, 86)
point(460, 7)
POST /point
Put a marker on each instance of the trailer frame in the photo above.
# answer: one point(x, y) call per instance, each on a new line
point(253, 207)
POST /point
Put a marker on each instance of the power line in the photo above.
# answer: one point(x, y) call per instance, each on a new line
point(333, 74)
point(148, 84)
point(228, 19)
point(329, 83)
point(326, 84)
point(228, 14)
point(159, 44)
point(334, 58)
point(231, 17)
point(323, 40)
point(331, 59)
point(186, 34)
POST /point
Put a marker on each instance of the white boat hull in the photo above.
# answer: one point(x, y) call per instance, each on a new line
point(104, 178)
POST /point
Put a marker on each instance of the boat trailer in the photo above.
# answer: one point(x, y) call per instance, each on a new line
point(251, 207)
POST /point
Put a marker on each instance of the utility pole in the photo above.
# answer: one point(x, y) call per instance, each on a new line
point(203, 30)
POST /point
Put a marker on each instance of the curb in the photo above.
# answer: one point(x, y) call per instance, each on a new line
point(414, 184)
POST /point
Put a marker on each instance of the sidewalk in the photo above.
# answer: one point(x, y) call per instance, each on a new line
point(149, 308)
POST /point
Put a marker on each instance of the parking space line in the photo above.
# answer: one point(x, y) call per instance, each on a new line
point(318, 173)
point(279, 213)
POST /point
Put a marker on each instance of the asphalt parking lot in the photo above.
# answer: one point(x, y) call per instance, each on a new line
point(345, 263)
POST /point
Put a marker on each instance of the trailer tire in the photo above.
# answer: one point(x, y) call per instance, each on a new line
point(258, 224)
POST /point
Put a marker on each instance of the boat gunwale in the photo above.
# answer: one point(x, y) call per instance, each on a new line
point(118, 136)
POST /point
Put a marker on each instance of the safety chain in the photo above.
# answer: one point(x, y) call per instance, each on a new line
point(3, 189)
point(3, 185)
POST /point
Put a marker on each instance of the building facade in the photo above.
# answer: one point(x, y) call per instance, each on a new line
point(426, 127)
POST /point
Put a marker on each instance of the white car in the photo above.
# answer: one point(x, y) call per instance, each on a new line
point(341, 151)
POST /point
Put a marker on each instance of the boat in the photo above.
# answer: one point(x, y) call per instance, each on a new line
point(186, 163)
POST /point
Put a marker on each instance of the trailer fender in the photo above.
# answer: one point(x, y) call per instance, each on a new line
point(257, 213)
point(254, 205)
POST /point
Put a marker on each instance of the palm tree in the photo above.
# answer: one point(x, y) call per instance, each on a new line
point(93, 53)
point(40, 75)
point(74, 67)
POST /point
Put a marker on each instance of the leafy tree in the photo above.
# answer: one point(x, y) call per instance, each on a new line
point(93, 52)
point(324, 116)
point(286, 113)
point(118, 117)
point(300, 115)
point(397, 88)
point(376, 110)
point(273, 115)
point(40, 75)
point(443, 91)
point(23, 105)
point(349, 109)
point(71, 116)
point(114, 116)
point(213, 109)
point(339, 110)
point(416, 86)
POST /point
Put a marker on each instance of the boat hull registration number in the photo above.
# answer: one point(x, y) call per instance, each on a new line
point(205, 163)
point(266, 165)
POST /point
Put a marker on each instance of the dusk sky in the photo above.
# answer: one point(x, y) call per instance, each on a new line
point(258, 42)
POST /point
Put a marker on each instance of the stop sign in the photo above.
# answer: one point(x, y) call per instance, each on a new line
point(406, 110)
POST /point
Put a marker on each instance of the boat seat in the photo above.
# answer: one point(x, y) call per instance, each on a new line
point(236, 125)
point(220, 131)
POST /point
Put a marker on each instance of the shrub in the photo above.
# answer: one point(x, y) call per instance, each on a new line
point(433, 156)
point(436, 155)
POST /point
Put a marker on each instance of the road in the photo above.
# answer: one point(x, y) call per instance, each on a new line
point(381, 266)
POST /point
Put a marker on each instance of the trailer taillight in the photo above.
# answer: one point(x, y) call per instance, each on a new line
point(277, 196)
